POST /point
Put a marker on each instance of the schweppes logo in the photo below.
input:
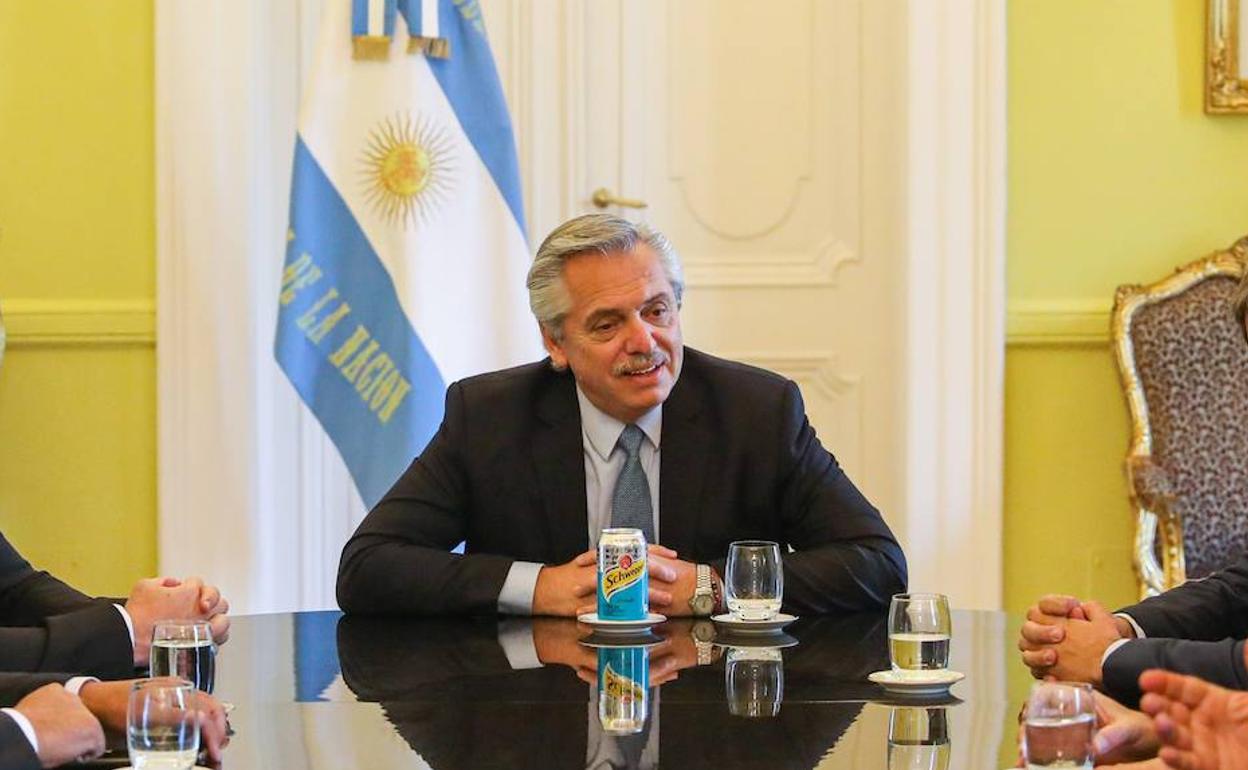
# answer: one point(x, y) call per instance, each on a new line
point(621, 576)
point(620, 688)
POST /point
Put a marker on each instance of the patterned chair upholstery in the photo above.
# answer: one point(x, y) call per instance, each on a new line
point(1184, 365)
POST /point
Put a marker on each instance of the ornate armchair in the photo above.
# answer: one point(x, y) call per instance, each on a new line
point(1184, 366)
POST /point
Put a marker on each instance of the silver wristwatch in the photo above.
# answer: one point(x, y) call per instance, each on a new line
point(702, 603)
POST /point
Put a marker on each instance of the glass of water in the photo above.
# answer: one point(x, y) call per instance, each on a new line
point(919, 627)
point(162, 727)
point(754, 583)
point(184, 649)
point(754, 680)
point(918, 739)
point(1058, 727)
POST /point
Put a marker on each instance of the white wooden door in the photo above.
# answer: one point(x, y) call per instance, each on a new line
point(744, 129)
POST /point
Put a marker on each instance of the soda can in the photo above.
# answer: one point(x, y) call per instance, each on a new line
point(623, 689)
point(623, 575)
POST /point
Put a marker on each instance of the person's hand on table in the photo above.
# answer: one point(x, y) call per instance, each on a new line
point(1201, 726)
point(215, 608)
point(108, 702)
point(1123, 734)
point(561, 589)
point(662, 575)
point(64, 728)
point(672, 582)
point(168, 598)
point(1066, 639)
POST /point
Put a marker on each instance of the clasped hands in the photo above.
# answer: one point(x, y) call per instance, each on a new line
point(169, 598)
point(1066, 639)
point(568, 589)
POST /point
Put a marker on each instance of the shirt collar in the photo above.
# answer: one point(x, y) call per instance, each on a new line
point(603, 431)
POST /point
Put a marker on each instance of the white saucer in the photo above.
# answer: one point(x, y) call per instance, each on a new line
point(620, 626)
point(917, 683)
point(738, 626)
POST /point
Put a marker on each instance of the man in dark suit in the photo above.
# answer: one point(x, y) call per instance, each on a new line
point(621, 426)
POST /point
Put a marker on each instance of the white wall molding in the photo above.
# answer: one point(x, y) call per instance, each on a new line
point(956, 86)
point(64, 322)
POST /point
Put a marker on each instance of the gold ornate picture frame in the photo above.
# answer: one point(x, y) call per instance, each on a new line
point(1226, 70)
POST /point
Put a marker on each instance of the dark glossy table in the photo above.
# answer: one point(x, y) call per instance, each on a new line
point(320, 690)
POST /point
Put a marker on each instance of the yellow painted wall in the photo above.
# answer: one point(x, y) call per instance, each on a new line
point(77, 275)
point(1116, 175)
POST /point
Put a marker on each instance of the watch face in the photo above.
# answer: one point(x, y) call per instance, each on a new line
point(702, 605)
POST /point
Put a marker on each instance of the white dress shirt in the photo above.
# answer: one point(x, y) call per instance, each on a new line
point(604, 462)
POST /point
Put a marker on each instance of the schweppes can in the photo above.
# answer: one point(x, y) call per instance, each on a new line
point(623, 689)
point(623, 575)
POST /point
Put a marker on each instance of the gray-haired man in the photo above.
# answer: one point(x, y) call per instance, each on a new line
point(622, 424)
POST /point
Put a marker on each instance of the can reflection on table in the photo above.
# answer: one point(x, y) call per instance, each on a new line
point(623, 692)
point(918, 739)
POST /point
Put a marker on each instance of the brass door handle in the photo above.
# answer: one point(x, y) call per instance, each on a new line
point(602, 197)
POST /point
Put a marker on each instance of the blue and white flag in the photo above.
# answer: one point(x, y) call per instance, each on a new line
point(406, 251)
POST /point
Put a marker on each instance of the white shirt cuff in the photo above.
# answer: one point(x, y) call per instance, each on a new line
point(129, 623)
point(1139, 632)
point(1111, 649)
point(516, 598)
point(75, 683)
point(27, 728)
point(515, 636)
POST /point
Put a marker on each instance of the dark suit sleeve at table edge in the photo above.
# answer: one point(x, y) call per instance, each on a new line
point(1221, 663)
point(398, 560)
point(846, 556)
point(49, 626)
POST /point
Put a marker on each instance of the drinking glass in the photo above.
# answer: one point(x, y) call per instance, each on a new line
point(918, 633)
point(1058, 727)
point(754, 680)
point(918, 739)
point(754, 584)
point(184, 649)
point(162, 727)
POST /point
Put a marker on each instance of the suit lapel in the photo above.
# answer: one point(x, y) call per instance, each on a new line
point(686, 444)
point(558, 454)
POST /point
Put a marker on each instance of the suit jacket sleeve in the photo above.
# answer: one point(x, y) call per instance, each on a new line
point(16, 753)
point(845, 557)
point(1221, 663)
point(399, 560)
point(1208, 609)
point(14, 685)
point(48, 626)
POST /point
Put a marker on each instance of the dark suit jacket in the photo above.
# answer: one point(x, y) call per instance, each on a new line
point(48, 626)
point(16, 753)
point(1196, 628)
point(505, 473)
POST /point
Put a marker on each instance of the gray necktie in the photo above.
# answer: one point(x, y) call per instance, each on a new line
point(630, 503)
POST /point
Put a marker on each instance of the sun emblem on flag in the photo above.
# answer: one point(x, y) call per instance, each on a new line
point(407, 169)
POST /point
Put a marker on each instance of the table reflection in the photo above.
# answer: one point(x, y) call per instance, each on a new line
point(320, 691)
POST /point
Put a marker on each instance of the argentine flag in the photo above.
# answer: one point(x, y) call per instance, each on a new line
point(406, 253)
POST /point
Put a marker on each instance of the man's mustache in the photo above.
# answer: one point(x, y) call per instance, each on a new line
point(639, 362)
